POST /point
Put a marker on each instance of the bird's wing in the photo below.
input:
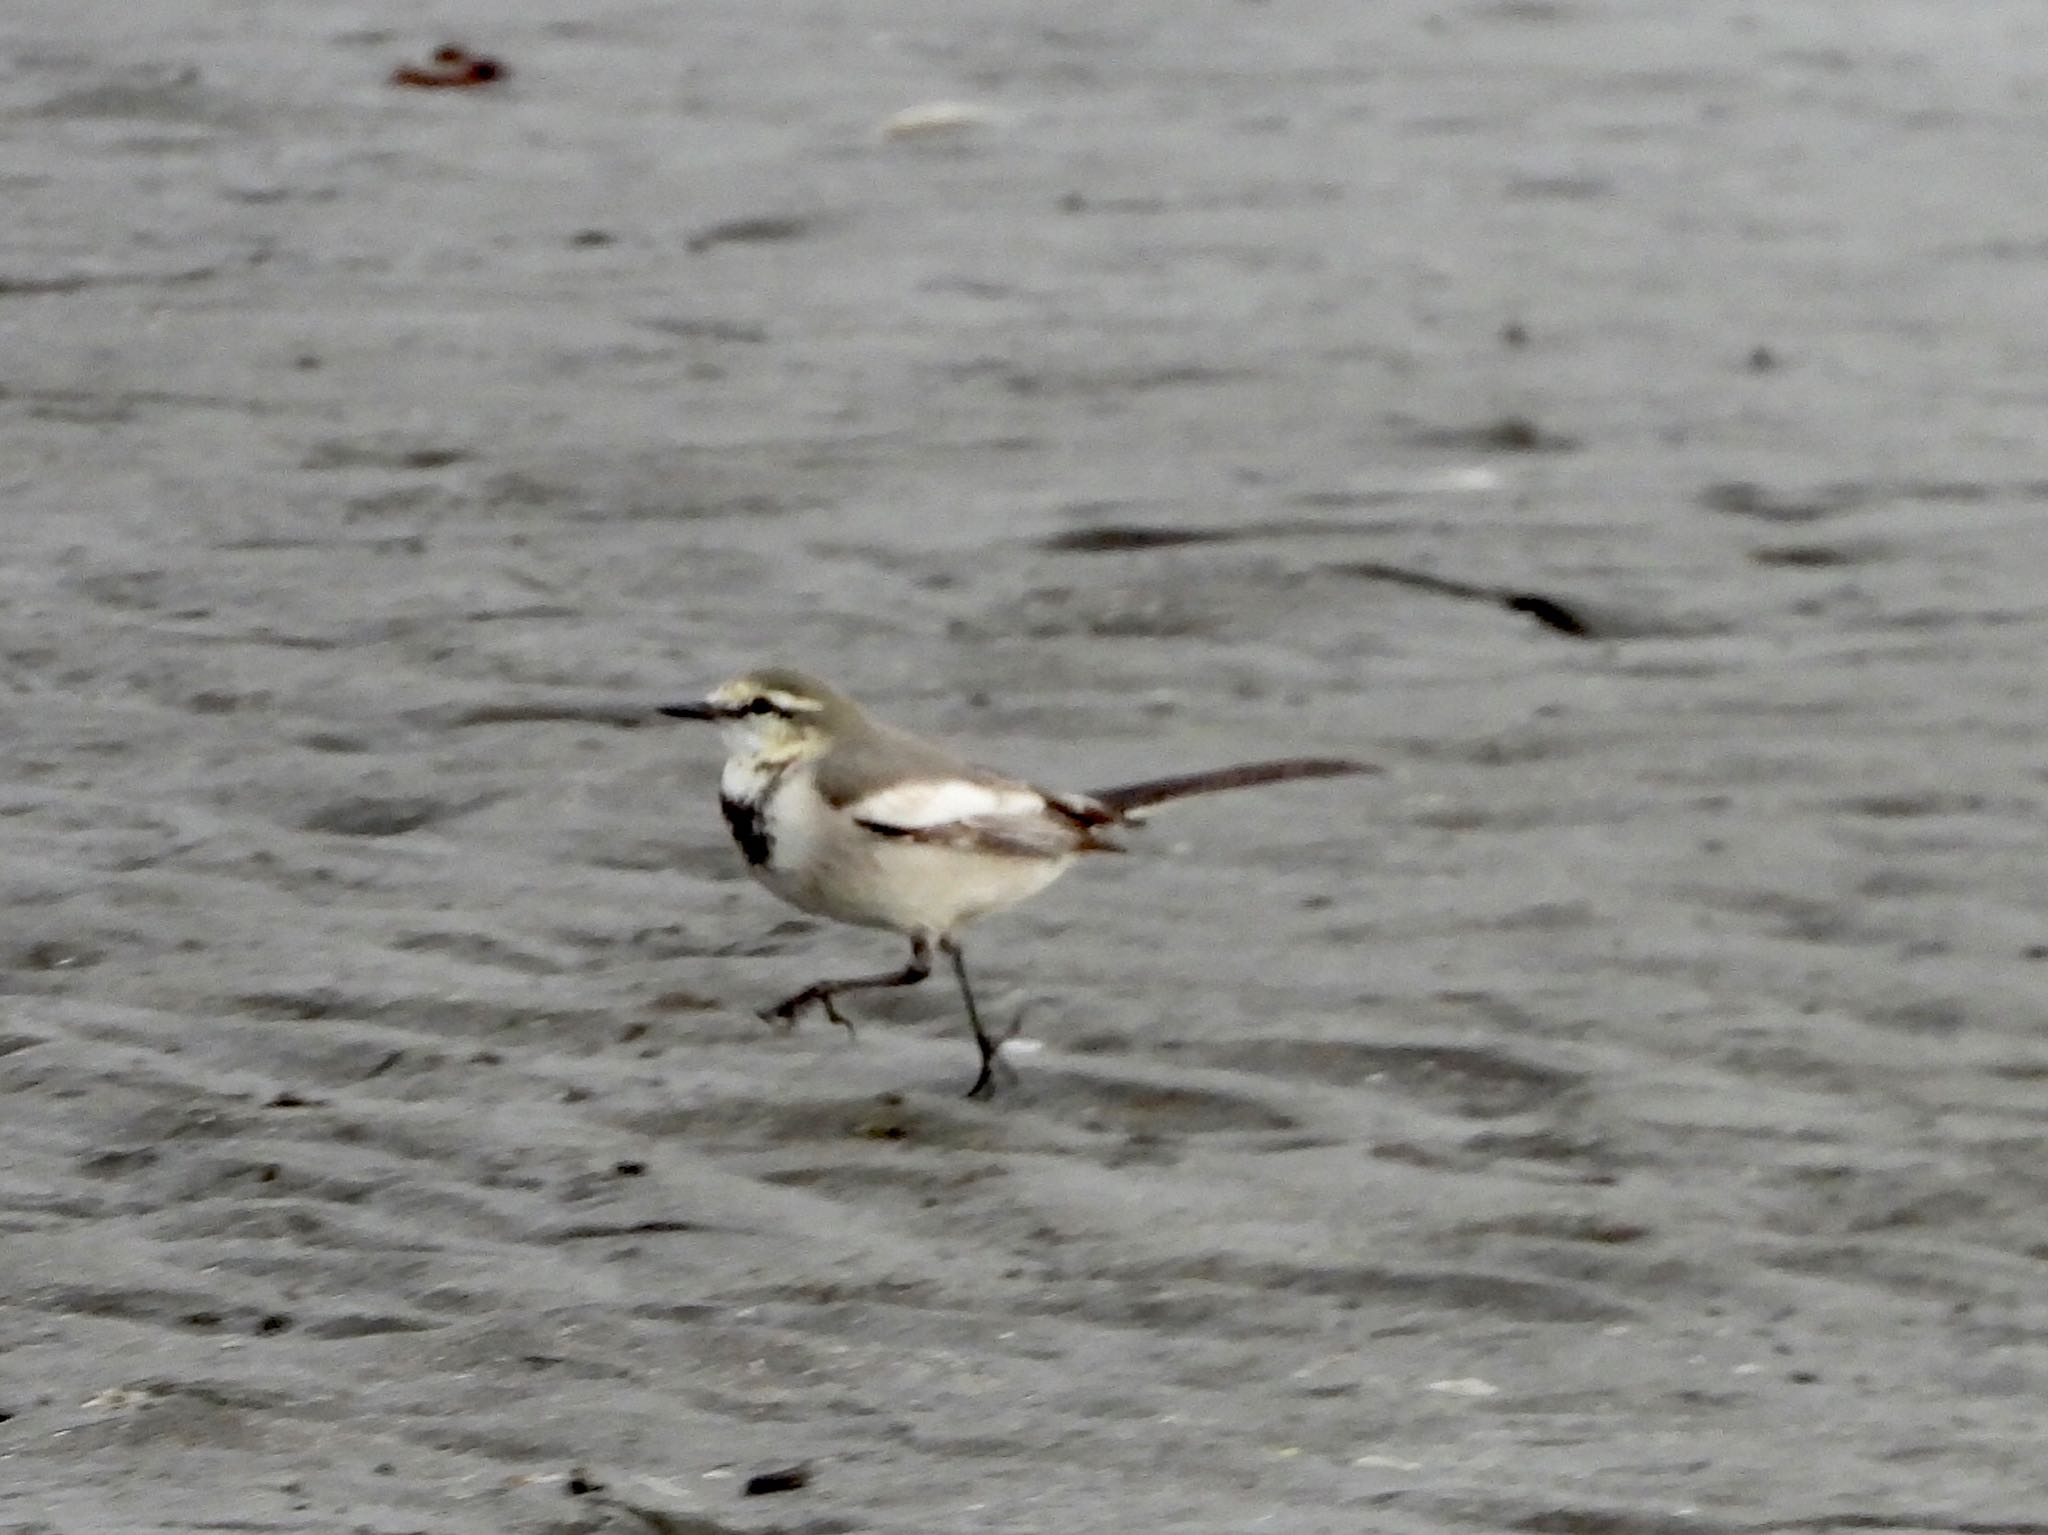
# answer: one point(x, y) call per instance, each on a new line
point(1003, 818)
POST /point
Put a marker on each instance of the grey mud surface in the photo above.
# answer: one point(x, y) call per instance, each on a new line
point(1625, 1117)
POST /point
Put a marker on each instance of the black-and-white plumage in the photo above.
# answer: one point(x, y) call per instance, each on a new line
point(856, 820)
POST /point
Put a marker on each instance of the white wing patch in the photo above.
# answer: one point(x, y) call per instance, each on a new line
point(925, 803)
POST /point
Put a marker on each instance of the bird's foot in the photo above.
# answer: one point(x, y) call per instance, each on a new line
point(787, 1011)
point(992, 1058)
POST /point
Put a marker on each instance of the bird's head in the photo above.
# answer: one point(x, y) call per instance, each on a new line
point(775, 714)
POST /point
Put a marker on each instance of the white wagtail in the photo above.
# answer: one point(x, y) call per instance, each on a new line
point(853, 819)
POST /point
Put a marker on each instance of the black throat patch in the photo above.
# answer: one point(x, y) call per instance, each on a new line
point(749, 822)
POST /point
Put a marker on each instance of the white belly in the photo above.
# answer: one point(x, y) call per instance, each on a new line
point(822, 861)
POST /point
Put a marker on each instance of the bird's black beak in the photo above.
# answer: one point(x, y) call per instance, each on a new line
point(689, 711)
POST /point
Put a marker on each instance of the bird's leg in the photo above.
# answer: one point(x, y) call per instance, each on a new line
point(984, 1084)
point(823, 992)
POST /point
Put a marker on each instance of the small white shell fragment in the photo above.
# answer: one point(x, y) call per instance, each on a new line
point(665, 1486)
point(1469, 1385)
point(935, 119)
point(1476, 477)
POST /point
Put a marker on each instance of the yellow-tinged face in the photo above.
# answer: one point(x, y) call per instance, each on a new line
point(774, 714)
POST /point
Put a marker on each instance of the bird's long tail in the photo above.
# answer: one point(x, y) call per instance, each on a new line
point(1126, 798)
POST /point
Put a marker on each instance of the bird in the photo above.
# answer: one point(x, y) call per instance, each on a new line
point(846, 817)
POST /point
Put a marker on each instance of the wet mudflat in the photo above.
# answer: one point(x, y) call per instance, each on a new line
point(1624, 1117)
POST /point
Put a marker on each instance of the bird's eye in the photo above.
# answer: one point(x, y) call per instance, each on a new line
point(761, 705)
